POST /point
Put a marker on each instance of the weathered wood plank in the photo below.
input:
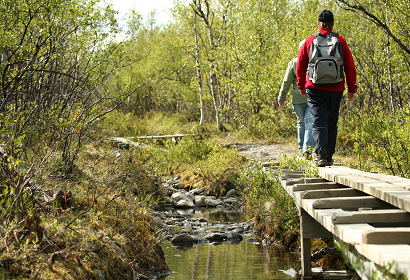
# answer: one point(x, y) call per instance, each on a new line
point(352, 227)
point(350, 202)
point(305, 181)
point(316, 186)
point(372, 216)
point(386, 255)
point(390, 179)
point(349, 233)
point(391, 193)
point(175, 136)
point(397, 235)
point(292, 175)
point(332, 274)
point(305, 245)
point(310, 228)
point(349, 192)
point(122, 140)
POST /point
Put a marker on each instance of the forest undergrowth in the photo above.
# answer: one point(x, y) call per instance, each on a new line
point(96, 219)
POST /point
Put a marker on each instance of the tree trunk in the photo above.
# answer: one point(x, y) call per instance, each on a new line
point(197, 7)
point(198, 74)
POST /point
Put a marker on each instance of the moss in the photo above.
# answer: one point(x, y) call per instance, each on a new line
point(333, 261)
point(290, 239)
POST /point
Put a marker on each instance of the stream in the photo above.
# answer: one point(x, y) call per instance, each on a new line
point(251, 258)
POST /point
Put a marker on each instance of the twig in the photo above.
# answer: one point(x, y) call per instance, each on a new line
point(76, 217)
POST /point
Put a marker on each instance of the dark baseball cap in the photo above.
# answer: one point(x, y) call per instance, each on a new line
point(326, 16)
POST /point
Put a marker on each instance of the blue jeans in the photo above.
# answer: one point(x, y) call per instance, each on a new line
point(324, 106)
point(303, 115)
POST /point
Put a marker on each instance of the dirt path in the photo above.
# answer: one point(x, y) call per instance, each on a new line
point(264, 152)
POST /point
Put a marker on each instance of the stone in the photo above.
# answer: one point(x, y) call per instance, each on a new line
point(215, 237)
point(230, 201)
point(182, 239)
point(200, 200)
point(197, 191)
point(213, 202)
point(179, 185)
point(238, 230)
point(233, 236)
point(182, 199)
point(232, 193)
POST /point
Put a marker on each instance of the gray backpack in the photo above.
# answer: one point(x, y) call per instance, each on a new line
point(325, 60)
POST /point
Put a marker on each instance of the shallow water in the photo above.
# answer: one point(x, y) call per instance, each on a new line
point(244, 260)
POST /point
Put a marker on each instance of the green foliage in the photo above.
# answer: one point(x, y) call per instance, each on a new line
point(272, 124)
point(268, 201)
point(295, 163)
point(120, 123)
point(169, 158)
point(382, 143)
point(251, 56)
point(54, 65)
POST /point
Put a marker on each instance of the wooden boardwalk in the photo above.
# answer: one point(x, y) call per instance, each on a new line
point(368, 213)
point(124, 143)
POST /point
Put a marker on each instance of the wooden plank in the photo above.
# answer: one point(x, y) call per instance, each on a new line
point(174, 137)
point(350, 202)
point(349, 233)
point(375, 255)
point(393, 194)
point(122, 140)
point(305, 181)
point(306, 259)
point(310, 228)
point(292, 175)
point(390, 179)
point(316, 186)
point(270, 164)
point(386, 255)
point(372, 216)
point(305, 245)
point(319, 273)
point(349, 192)
point(397, 235)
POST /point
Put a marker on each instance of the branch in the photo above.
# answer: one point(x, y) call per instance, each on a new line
point(113, 108)
point(369, 16)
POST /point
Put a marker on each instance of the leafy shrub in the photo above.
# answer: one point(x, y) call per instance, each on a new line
point(272, 124)
point(382, 141)
point(266, 199)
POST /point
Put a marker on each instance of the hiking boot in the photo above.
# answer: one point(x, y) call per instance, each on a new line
point(329, 160)
point(322, 160)
point(308, 156)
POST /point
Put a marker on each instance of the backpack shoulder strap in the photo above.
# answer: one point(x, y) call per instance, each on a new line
point(314, 48)
point(338, 45)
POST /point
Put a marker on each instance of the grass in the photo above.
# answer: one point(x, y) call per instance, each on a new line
point(96, 224)
point(158, 123)
point(99, 221)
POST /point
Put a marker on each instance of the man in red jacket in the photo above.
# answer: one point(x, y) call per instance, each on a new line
point(324, 99)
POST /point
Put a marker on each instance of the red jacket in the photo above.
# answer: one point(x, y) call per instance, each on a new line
point(348, 64)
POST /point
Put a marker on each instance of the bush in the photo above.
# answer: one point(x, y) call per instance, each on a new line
point(272, 124)
point(382, 141)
